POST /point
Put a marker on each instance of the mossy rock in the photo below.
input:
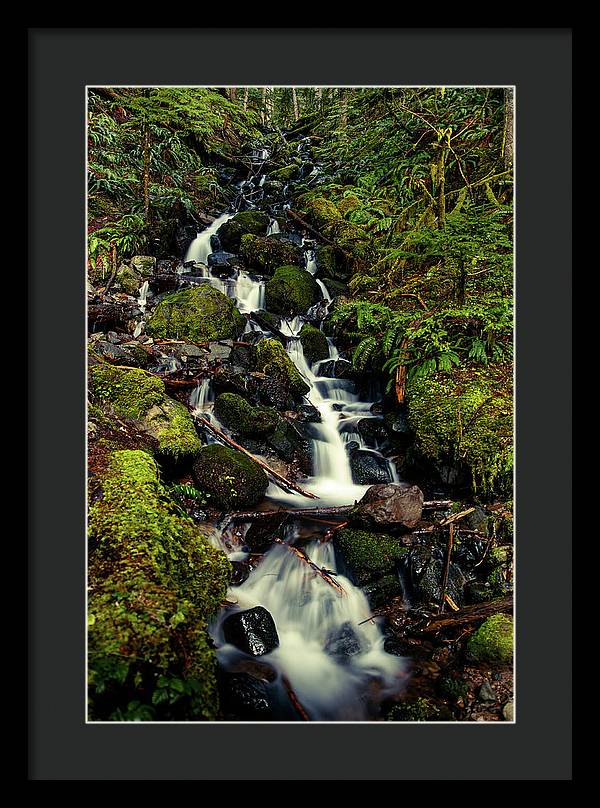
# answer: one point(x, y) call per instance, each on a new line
point(248, 221)
point(128, 280)
point(170, 423)
point(237, 414)
point(154, 581)
point(314, 344)
point(273, 360)
point(327, 218)
point(464, 417)
point(144, 264)
point(326, 260)
point(264, 253)
point(348, 203)
point(200, 314)
point(321, 212)
point(367, 556)
point(232, 479)
point(131, 394)
point(493, 641)
point(284, 174)
point(291, 291)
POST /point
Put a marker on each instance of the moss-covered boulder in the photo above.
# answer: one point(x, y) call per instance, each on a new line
point(248, 221)
point(128, 280)
point(291, 291)
point(273, 360)
point(366, 556)
point(264, 254)
point(134, 395)
point(200, 314)
point(493, 641)
point(232, 479)
point(154, 580)
point(463, 418)
point(314, 343)
point(235, 413)
point(144, 264)
point(328, 219)
point(284, 174)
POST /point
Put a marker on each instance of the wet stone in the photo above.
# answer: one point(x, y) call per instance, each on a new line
point(342, 642)
point(252, 631)
point(242, 696)
point(240, 570)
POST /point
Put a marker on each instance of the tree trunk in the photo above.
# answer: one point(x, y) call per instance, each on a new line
point(146, 172)
point(263, 106)
point(508, 146)
point(440, 177)
point(295, 103)
point(343, 109)
point(233, 93)
point(245, 98)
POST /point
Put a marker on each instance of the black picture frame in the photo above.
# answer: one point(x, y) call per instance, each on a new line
point(61, 63)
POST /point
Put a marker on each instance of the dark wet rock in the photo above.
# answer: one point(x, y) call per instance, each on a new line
point(274, 392)
point(369, 468)
point(163, 282)
point(486, 692)
point(382, 590)
point(240, 570)
point(291, 444)
point(261, 534)
point(398, 429)
point(274, 362)
point(256, 668)
point(122, 355)
point(372, 431)
point(338, 406)
point(231, 478)
point(244, 697)
point(342, 643)
point(424, 572)
point(191, 351)
point(228, 379)
point(309, 413)
point(166, 266)
point(252, 631)
point(223, 263)
point(183, 236)
point(337, 369)
point(395, 504)
point(219, 351)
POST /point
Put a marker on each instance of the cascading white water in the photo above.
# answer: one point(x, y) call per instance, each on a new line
point(142, 302)
point(273, 228)
point(309, 614)
point(200, 248)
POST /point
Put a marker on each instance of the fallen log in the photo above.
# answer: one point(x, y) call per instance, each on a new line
point(279, 479)
point(470, 614)
point(302, 555)
point(294, 699)
point(341, 510)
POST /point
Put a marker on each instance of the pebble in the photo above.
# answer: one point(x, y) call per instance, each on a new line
point(508, 711)
point(486, 692)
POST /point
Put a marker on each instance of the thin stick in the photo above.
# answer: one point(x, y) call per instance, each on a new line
point(301, 554)
point(294, 699)
point(446, 567)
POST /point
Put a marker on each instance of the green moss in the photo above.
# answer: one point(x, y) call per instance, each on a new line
point(248, 221)
point(314, 343)
point(129, 392)
point(200, 314)
point(128, 280)
point(321, 212)
point(348, 203)
point(291, 290)
point(264, 254)
point(326, 260)
point(421, 709)
point(232, 479)
point(272, 359)
point(170, 423)
point(285, 174)
point(237, 414)
point(465, 417)
point(367, 555)
point(493, 640)
point(154, 580)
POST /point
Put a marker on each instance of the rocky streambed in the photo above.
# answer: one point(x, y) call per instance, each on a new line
point(266, 543)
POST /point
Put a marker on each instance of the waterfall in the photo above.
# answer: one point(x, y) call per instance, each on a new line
point(273, 228)
point(202, 397)
point(200, 248)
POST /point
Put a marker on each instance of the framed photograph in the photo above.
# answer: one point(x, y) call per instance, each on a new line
point(295, 469)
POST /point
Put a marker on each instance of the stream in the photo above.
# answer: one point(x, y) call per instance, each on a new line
point(330, 652)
